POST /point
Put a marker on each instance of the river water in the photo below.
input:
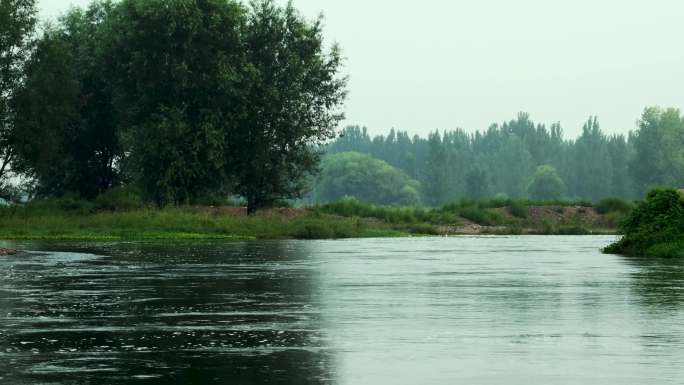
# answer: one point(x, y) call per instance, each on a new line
point(463, 310)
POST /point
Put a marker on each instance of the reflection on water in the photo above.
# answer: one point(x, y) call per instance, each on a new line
point(187, 314)
point(475, 310)
point(659, 283)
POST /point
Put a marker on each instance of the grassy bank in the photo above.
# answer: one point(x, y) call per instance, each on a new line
point(77, 220)
point(181, 224)
point(496, 216)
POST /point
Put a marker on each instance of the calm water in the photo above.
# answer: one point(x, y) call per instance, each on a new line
point(471, 310)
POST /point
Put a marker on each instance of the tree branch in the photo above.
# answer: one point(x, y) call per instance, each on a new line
point(5, 162)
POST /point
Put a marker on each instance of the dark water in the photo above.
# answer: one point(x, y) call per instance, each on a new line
point(472, 310)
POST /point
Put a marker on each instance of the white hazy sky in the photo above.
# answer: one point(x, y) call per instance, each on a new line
point(443, 64)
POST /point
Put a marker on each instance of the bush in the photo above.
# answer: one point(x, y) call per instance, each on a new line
point(423, 229)
point(119, 199)
point(351, 207)
point(611, 205)
point(518, 210)
point(655, 227)
point(366, 178)
point(478, 212)
point(69, 204)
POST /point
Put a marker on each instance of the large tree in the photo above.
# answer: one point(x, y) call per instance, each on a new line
point(593, 165)
point(68, 96)
point(46, 109)
point(546, 184)
point(351, 174)
point(658, 143)
point(17, 21)
point(178, 64)
point(291, 92)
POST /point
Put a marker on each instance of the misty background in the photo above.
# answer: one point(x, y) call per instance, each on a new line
point(460, 64)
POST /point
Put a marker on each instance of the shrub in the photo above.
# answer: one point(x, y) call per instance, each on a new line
point(423, 229)
point(610, 205)
point(518, 210)
point(654, 227)
point(119, 199)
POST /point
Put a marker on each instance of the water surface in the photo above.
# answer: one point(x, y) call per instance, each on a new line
point(471, 310)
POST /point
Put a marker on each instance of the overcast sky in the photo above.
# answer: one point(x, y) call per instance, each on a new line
point(443, 64)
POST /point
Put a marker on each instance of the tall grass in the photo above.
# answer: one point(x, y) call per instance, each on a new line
point(33, 222)
point(120, 215)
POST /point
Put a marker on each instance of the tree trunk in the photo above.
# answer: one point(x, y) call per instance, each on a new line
point(5, 162)
point(252, 204)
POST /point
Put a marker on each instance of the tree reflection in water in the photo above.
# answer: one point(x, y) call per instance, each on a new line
point(242, 313)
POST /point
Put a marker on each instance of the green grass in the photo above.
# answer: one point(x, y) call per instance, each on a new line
point(178, 224)
point(122, 217)
point(488, 213)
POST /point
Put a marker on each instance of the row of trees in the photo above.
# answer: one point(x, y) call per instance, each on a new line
point(521, 159)
point(186, 99)
point(183, 98)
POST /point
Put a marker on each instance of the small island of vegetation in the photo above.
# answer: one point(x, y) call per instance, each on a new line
point(655, 228)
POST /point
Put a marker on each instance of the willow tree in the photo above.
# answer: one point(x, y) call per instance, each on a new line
point(291, 92)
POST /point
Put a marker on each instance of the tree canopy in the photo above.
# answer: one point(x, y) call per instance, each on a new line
point(17, 21)
point(505, 158)
point(351, 174)
point(546, 184)
point(184, 98)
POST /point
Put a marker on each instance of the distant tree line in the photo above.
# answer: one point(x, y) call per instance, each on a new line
point(521, 159)
point(180, 98)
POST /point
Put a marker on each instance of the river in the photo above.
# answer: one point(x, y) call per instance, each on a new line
point(462, 310)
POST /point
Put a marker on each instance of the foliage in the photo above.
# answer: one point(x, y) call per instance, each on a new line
point(518, 209)
point(47, 108)
point(593, 165)
point(67, 97)
point(478, 212)
point(658, 158)
point(610, 205)
point(655, 227)
point(119, 199)
point(197, 100)
point(17, 21)
point(177, 69)
point(350, 207)
point(291, 93)
point(502, 160)
point(352, 174)
point(546, 184)
point(50, 220)
point(477, 184)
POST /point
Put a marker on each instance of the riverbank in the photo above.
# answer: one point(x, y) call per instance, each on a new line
point(344, 219)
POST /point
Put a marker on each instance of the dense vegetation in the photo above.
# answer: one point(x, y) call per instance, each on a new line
point(181, 98)
point(120, 214)
point(48, 221)
point(189, 102)
point(521, 159)
point(655, 228)
point(368, 179)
